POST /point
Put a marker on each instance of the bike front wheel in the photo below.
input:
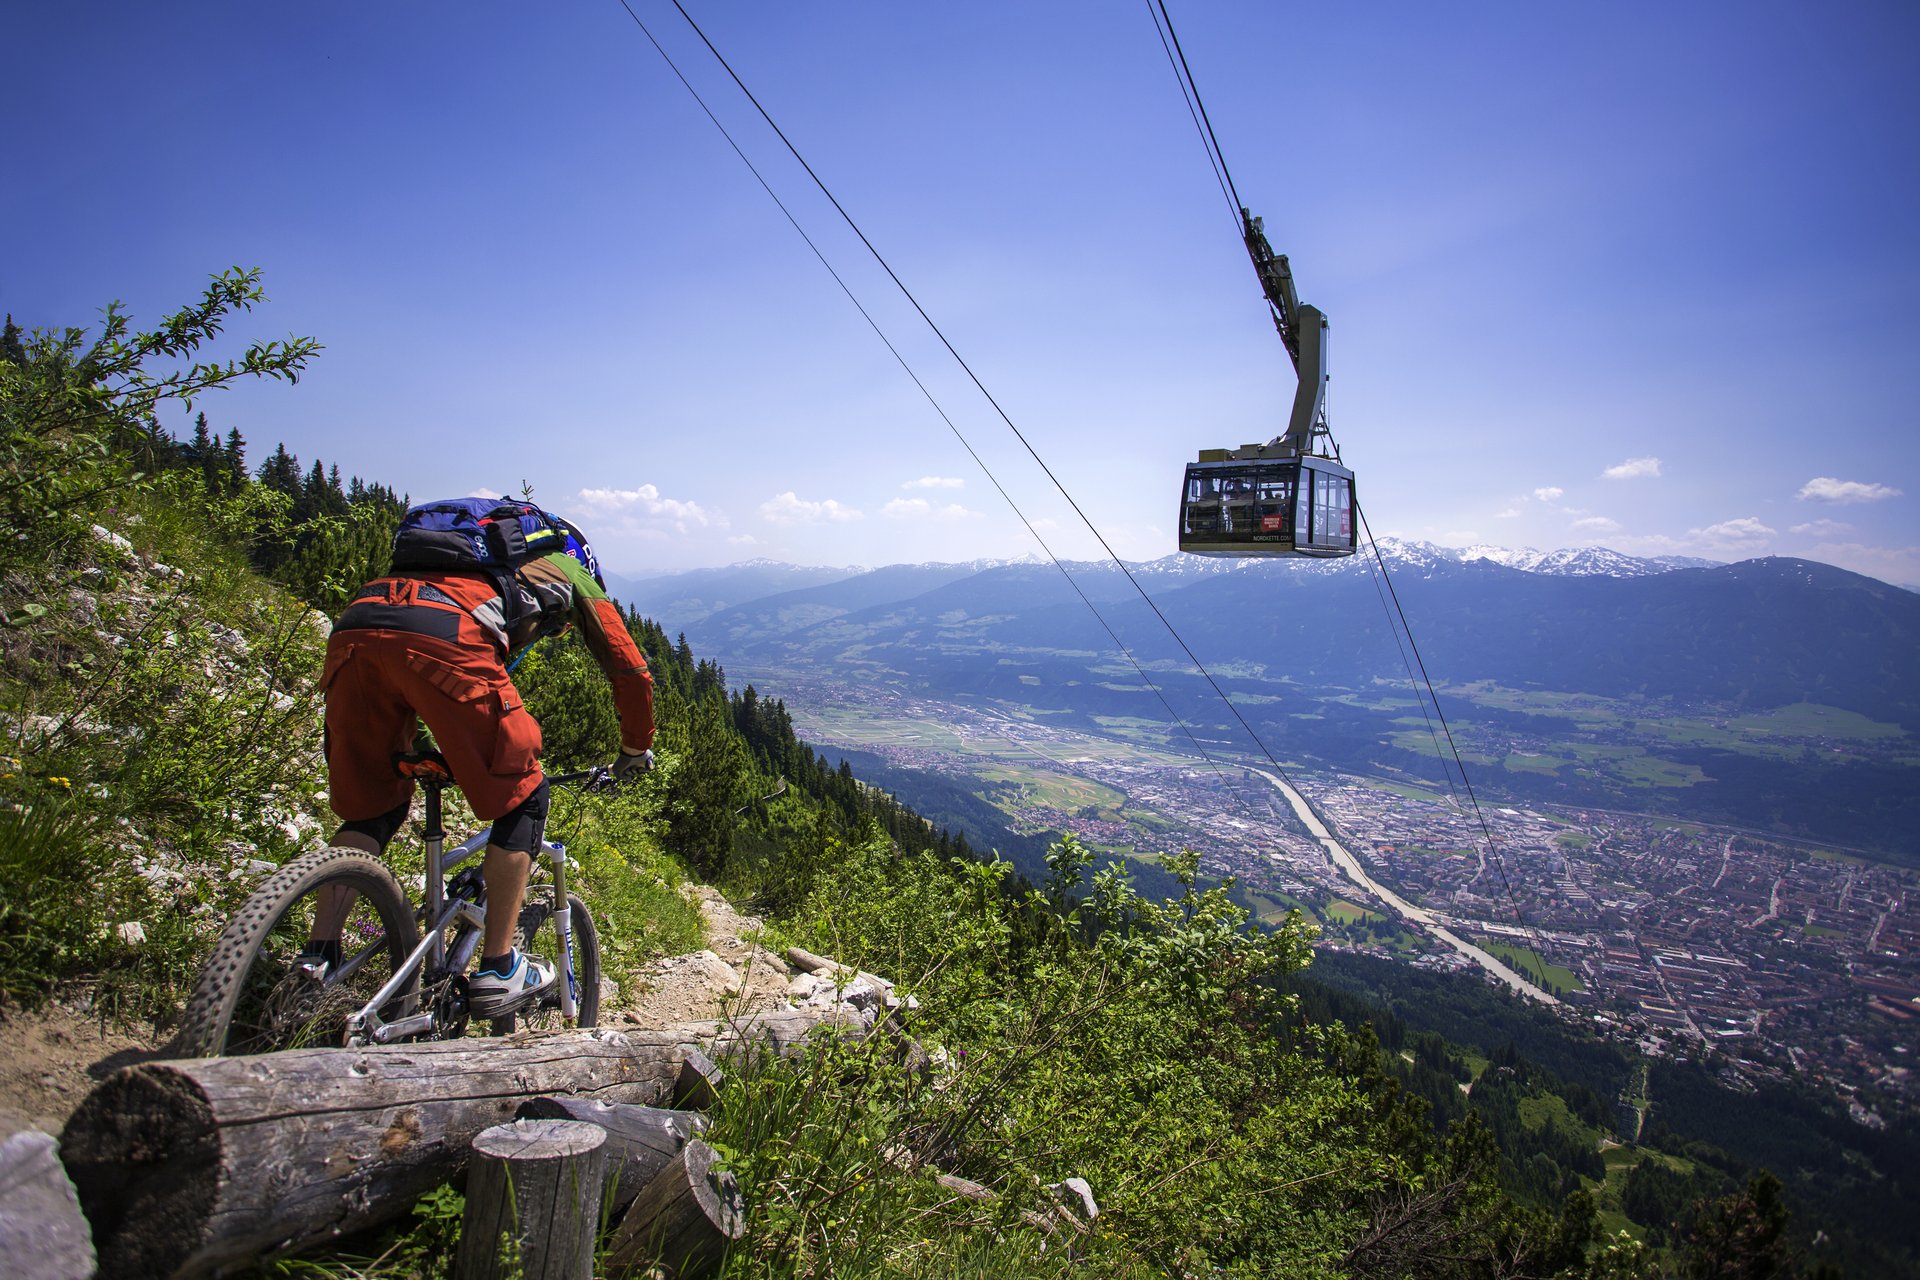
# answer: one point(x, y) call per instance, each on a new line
point(537, 936)
point(254, 996)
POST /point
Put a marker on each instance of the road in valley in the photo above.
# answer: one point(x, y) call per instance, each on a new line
point(1420, 916)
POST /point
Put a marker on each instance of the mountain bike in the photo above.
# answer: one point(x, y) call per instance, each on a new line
point(260, 992)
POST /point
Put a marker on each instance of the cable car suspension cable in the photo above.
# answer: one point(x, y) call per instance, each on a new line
point(908, 368)
point(1190, 91)
point(981, 387)
point(1486, 829)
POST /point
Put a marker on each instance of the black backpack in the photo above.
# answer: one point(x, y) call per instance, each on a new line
point(488, 536)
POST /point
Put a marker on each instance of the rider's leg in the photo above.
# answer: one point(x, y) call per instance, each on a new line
point(506, 980)
point(506, 872)
point(515, 838)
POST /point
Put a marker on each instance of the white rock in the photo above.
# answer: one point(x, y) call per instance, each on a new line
point(111, 538)
point(133, 933)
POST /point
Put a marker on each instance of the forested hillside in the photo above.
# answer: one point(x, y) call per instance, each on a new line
point(164, 613)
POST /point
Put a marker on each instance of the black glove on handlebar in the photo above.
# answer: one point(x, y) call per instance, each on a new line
point(629, 765)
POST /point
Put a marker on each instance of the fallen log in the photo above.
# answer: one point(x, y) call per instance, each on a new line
point(682, 1221)
point(533, 1202)
point(185, 1166)
point(42, 1232)
point(641, 1141)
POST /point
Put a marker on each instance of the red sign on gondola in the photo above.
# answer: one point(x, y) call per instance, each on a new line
point(1271, 524)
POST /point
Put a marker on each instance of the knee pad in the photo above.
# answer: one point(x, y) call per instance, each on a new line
point(522, 827)
point(381, 829)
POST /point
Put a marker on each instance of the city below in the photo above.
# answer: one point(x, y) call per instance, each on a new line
point(1768, 957)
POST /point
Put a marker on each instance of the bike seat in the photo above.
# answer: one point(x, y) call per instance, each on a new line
point(423, 766)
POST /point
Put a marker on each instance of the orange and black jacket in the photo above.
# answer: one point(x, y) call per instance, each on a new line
point(555, 591)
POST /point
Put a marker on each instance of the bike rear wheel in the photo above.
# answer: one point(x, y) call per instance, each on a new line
point(253, 998)
point(537, 936)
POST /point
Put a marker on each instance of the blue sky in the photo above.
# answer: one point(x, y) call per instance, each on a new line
point(1630, 274)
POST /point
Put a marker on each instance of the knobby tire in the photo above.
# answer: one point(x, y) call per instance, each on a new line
point(246, 1001)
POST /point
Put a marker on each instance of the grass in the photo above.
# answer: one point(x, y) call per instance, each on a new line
point(1407, 790)
point(1527, 961)
point(1349, 912)
point(1811, 720)
point(1550, 1111)
point(1519, 762)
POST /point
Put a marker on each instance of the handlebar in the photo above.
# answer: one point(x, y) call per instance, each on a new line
point(598, 778)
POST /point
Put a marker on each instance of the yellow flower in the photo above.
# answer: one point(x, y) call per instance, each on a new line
point(62, 782)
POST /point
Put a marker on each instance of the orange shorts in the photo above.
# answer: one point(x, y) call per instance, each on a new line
point(376, 682)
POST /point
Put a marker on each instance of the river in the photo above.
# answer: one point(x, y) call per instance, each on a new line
point(1418, 916)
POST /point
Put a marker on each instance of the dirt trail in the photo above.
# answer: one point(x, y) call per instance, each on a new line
point(51, 1058)
point(732, 975)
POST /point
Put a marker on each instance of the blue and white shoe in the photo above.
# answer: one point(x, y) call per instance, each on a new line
point(491, 994)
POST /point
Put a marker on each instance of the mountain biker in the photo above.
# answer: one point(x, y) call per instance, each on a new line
point(435, 644)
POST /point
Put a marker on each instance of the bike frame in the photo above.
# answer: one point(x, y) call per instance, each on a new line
point(366, 1026)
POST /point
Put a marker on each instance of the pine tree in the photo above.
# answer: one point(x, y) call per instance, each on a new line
point(234, 456)
point(281, 473)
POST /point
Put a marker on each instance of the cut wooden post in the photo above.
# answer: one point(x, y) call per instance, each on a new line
point(533, 1202)
point(699, 1082)
point(186, 1166)
point(641, 1141)
point(682, 1221)
point(42, 1231)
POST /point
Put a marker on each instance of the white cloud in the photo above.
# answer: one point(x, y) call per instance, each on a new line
point(1744, 533)
point(921, 509)
point(935, 482)
point(743, 540)
point(790, 508)
point(485, 493)
point(1597, 524)
point(643, 506)
point(1508, 513)
point(1844, 492)
point(1632, 469)
point(1822, 528)
point(1550, 493)
point(1898, 565)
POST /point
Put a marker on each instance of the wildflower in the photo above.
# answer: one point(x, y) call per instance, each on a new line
point(60, 782)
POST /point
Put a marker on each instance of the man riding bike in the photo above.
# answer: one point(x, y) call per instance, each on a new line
point(436, 644)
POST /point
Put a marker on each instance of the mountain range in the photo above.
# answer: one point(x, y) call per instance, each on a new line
point(692, 595)
point(1671, 662)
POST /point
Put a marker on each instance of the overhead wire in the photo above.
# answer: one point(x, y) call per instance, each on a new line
point(1486, 828)
point(1190, 91)
point(906, 366)
point(1210, 140)
point(981, 386)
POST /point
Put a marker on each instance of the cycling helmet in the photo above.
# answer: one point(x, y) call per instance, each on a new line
point(578, 548)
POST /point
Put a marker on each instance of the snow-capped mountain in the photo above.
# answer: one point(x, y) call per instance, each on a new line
point(1568, 561)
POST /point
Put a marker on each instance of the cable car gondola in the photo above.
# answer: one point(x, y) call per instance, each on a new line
point(1290, 496)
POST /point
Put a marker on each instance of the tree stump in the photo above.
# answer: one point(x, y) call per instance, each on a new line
point(533, 1202)
point(641, 1141)
point(699, 1083)
point(42, 1231)
point(682, 1221)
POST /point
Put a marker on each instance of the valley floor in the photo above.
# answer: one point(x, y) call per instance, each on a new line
point(1793, 959)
